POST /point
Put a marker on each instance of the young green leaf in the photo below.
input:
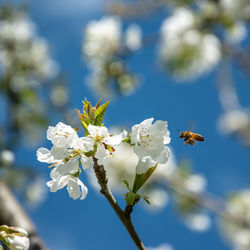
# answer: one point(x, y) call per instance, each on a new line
point(146, 199)
point(126, 184)
point(99, 113)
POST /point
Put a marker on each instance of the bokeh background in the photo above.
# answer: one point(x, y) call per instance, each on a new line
point(224, 160)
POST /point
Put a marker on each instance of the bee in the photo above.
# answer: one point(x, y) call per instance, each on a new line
point(190, 137)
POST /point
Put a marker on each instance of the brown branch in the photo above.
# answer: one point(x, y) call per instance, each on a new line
point(12, 214)
point(123, 215)
point(209, 202)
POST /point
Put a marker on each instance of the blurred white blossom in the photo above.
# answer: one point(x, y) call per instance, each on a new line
point(239, 9)
point(236, 33)
point(234, 121)
point(194, 183)
point(7, 157)
point(133, 37)
point(23, 53)
point(102, 38)
point(36, 192)
point(184, 49)
point(163, 246)
point(199, 222)
point(102, 45)
point(237, 234)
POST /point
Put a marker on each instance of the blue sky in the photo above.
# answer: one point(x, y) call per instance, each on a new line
point(91, 224)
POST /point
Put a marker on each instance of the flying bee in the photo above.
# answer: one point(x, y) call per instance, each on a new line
point(190, 137)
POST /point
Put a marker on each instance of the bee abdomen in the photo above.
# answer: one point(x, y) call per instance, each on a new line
point(198, 137)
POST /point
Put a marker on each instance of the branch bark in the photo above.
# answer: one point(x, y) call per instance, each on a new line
point(124, 216)
point(209, 202)
point(12, 214)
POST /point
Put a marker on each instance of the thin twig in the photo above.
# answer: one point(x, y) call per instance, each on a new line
point(123, 215)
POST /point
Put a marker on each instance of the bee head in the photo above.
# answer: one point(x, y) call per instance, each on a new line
point(182, 134)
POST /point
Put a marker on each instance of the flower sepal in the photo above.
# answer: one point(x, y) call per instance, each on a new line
point(140, 179)
point(132, 198)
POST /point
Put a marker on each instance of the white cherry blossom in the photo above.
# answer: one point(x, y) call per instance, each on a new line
point(66, 174)
point(149, 143)
point(103, 140)
point(75, 187)
point(16, 238)
point(61, 135)
point(65, 156)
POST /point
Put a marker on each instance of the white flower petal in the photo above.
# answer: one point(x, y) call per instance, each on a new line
point(70, 167)
point(18, 242)
point(101, 154)
point(58, 184)
point(145, 164)
point(147, 123)
point(44, 155)
point(76, 188)
point(84, 189)
point(87, 162)
point(162, 158)
point(50, 133)
point(84, 143)
point(116, 139)
point(140, 151)
point(59, 153)
point(135, 137)
point(73, 188)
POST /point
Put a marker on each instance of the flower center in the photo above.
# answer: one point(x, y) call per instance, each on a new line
point(145, 139)
point(99, 138)
point(66, 134)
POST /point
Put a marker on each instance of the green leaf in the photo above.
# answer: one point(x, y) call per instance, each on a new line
point(99, 113)
point(126, 184)
point(85, 126)
point(140, 179)
point(98, 103)
point(146, 199)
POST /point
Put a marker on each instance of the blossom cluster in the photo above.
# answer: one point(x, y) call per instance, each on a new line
point(236, 122)
point(238, 233)
point(69, 151)
point(26, 64)
point(185, 50)
point(23, 53)
point(103, 42)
